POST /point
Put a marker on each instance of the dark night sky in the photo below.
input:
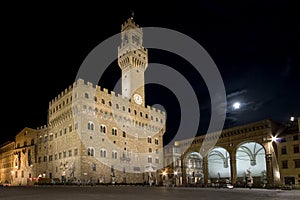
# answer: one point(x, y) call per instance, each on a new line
point(255, 45)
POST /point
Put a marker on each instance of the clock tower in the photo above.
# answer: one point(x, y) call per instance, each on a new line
point(133, 61)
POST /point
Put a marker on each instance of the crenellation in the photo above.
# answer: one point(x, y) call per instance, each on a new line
point(90, 84)
point(98, 88)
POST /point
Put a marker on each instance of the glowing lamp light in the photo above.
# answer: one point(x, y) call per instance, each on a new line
point(164, 173)
point(175, 173)
point(292, 119)
point(277, 174)
point(273, 138)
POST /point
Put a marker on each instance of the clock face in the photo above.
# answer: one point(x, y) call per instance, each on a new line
point(138, 99)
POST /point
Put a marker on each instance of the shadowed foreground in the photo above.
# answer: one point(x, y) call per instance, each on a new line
point(140, 192)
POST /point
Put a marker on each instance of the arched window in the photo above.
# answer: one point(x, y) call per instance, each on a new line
point(149, 139)
point(103, 153)
point(114, 131)
point(86, 95)
point(95, 98)
point(156, 141)
point(124, 134)
point(90, 151)
point(91, 126)
point(114, 155)
point(102, 101)
point(109, 103)
point(102, 128)
point(32, 142)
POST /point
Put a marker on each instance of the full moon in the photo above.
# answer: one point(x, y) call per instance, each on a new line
point(236, 105)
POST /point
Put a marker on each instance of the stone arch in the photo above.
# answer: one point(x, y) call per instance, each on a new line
point(251, 163)
point(219, 168)
point(193, 165)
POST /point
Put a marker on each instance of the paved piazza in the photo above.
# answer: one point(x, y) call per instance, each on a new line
point(140, 192)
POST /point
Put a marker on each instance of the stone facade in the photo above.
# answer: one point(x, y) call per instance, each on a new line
point(92, 134)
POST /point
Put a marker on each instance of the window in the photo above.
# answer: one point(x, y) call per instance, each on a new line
point(296, 148)
point(114, 131)
point(65, 154)
point(123, 108)
point(60, 132)
point(156, 141)
point(65, 131)
point(95, 98)
point(32, 142)
point(102, 128)
point(149, 159)
point(45, 158)
point(103, 153)
point(22, 174)
point(55, 157)
point(70, 128)
point(40, 159)
point(102, 101)
point(75, 152)
point(16, 174)
point(51, 137)
point(59, 156)
point(156, 160)
point(284, 164)
point(149, 140)
point(114, 155)
point(156, 151)
point(117, 106)
point(94, 167)
point(283, 150)
point(70, 153)
point(90, 151)
point(91, 126)
point(124, 134)
point(295, 137)
point(55, 135)
point(50, 157)
point(86, 95)
point(109, 103)
point(297, 163)
point(150, 150)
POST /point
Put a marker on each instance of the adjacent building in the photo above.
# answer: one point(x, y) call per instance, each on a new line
point(258, 154)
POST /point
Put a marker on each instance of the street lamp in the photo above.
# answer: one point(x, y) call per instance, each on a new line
point(273, 138)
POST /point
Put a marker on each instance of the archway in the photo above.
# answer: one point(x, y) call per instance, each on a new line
point(194, 168)
point(251, 164)
point(219, 165)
